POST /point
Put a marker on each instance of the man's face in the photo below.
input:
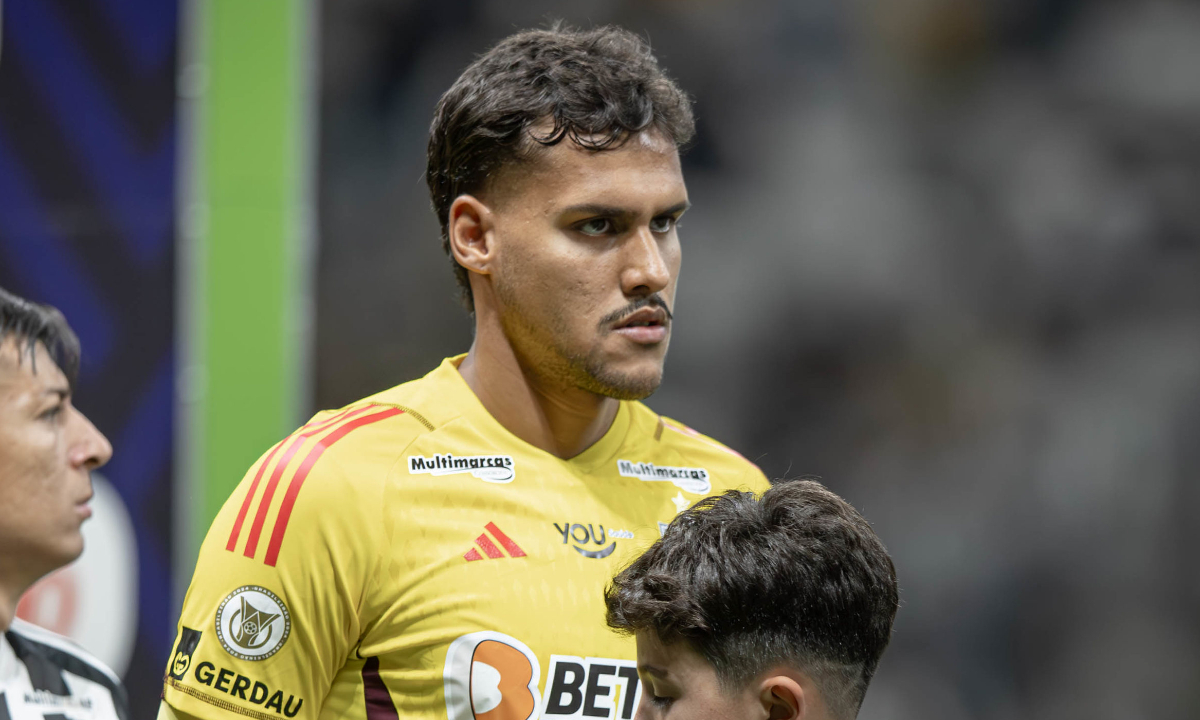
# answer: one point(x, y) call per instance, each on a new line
point(47, 449)
point(677, 682)
point(587, 257)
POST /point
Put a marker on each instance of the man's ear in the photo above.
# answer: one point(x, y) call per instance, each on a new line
point(783, 698)
point(471, 233)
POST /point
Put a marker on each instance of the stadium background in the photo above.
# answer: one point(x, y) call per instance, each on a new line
point(944, 254)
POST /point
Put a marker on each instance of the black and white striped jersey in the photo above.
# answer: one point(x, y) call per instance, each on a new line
point(44, 676)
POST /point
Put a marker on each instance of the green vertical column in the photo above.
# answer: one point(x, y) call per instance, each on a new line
point(246, 226)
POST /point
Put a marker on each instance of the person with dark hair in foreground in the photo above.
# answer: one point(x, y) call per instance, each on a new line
point(438, 550)
point(753, 608)
point(47, 450)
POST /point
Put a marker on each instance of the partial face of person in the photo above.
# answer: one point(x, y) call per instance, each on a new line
point(677, 682)
point(587, 260)
point(47, 450)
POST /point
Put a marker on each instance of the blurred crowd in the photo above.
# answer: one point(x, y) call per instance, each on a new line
point(944, 254)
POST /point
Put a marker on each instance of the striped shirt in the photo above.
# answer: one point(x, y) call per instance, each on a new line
point(44, 676)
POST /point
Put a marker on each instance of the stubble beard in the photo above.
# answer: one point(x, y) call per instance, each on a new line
point(540, 349)
point(589, 372)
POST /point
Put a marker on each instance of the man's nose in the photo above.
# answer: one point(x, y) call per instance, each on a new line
point(646, 271)
point(89, 449)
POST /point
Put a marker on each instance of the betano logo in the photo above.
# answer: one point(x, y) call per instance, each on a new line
point(694, 480)
point(582, 534)
point(483, 542)
point(489, 468)
point(584, 688)
point(491, 675)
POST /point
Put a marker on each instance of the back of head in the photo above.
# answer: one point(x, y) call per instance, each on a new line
point(29, 323)
point(795, 578)
point(535, 88)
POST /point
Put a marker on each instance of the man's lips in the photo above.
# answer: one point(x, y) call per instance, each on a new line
point(645, 326)
point(83, 508)
point(649, 315)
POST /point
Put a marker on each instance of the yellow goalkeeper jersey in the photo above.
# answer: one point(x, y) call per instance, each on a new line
point(408, 557)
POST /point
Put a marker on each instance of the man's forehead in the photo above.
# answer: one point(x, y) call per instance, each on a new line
point(566, 174)
point(651, 650)
point(648, 146)
point(30, 367)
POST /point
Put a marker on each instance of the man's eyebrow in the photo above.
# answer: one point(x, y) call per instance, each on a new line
point(677, 208)
point(600, 210)
point(595, 209)
point(653, 670)
point(62, 392)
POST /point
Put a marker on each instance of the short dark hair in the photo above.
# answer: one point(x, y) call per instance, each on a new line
point(31, 323)
point(598, 86)
point(796, 577)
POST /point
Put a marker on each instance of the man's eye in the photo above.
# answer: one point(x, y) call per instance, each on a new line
point(662, 224)
point(596, 226)
point(662, 701)
point(52, 413)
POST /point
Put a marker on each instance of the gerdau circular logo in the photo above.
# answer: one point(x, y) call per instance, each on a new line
point(252, 623)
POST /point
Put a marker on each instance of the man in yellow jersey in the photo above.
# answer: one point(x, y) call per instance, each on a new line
point(439, 550)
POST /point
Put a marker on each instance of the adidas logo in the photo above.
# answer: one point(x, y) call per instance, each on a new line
point(486, 543)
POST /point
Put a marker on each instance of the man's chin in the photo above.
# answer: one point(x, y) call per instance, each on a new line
point(622, 385)
point(69, 550)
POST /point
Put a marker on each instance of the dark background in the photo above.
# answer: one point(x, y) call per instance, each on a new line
point(87, 224)
point(943, 253)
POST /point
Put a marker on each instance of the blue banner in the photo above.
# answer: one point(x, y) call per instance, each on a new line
point(87, 224)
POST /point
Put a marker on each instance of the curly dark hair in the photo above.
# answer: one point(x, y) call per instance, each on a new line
point(797, 577)
point(31, 323)
point(597, 86)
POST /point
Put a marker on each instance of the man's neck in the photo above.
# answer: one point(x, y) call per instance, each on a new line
point(560, 420)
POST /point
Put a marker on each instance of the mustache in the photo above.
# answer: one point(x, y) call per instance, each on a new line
point(654, 300)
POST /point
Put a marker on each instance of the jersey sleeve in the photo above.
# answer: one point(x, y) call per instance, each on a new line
point(273, 609)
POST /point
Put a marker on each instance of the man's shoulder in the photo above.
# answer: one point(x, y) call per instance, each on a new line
point(431, 400)
point(30, 641)
point(358, 441)
point(378, 428)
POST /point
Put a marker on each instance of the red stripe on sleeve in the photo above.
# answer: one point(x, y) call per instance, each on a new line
point(513, 549)
point(289, 498)
point(264, 505)
point(241, 516)
point(269, 494)
point(318, 426)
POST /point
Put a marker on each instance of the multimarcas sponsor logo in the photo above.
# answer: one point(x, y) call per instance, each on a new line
point(694, 480)
point(489, 468)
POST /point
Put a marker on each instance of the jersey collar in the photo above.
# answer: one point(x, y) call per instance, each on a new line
point(601, 451)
